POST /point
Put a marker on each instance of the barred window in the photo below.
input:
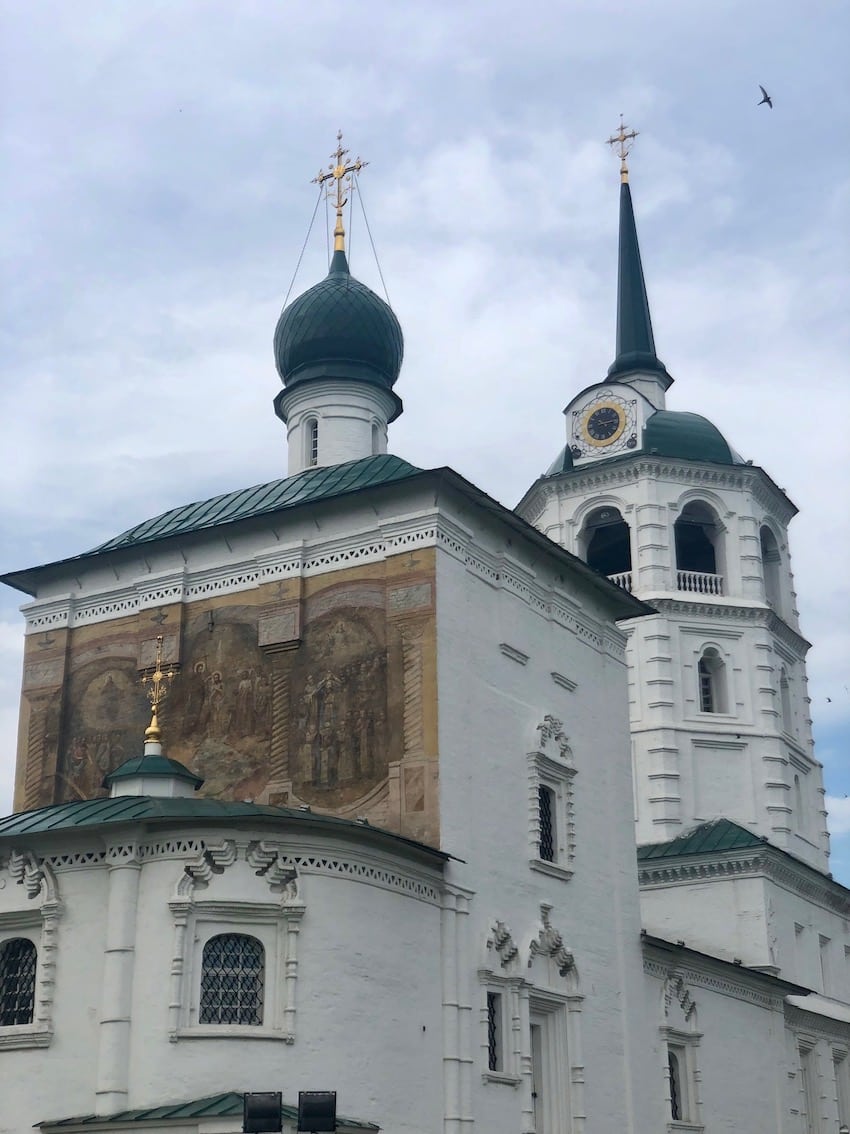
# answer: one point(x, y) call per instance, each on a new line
point(546, 818)
point(232, 980)
point(18, 958)
point(494, 1031)
point(675, 1086)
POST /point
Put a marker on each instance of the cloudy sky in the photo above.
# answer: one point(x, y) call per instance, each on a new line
point(156, 195)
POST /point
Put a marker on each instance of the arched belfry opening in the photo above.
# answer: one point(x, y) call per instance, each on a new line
point(699, 550)
point(771, 562)
point(606, 545)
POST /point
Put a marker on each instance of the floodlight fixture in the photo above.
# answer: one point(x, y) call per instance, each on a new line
point(262, 1112)
point(316, 1111)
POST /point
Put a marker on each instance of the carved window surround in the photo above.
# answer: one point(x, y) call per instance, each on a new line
point(552, 767)
point(40, 924)
point(275, 923)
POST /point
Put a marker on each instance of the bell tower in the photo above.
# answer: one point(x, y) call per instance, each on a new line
point(659, 502)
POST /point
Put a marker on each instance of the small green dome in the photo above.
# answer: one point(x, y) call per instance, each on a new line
point(687, 435)
point(338, 329)
point(150, 765)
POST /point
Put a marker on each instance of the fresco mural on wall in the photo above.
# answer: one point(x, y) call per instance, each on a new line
point(328, 693)
point(105, 726)
point(217, 717)
point(339, 743)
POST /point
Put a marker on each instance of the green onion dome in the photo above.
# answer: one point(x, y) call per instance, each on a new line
point(338, 329)
point(687, 435)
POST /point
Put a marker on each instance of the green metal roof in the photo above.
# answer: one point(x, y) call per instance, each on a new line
point(635, 341)
point(226, 1105)
point(305, 487)
point(152, 766)
point(339, 329)
point(672, 433)
point(717, 835)
point(93, 813)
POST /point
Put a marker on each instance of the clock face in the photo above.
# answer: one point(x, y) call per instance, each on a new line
point(604, 424)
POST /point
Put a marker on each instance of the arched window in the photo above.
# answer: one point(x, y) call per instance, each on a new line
point(606, 544)
point(712, 682)
point(771, 563)
point(376, 438)
point(18, 958)
point(232, 980)
point(546, 811)
point(311, 454)
point(698, 550)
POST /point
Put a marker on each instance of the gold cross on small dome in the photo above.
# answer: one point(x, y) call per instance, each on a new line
point(156, 686)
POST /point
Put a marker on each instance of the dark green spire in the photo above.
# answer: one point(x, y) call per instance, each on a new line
point(635, 344)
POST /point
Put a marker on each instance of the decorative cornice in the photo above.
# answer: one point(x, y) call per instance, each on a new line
point(669, 603)
point(642, 466)
point(824, 1026)
point(428, 528)
point(766, 861)
point(714, 976)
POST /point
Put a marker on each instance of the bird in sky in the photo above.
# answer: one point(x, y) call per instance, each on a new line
point(765, 97)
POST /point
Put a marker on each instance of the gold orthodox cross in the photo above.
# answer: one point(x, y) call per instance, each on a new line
point(623, 138)
point(156, 686)
point(340, 171)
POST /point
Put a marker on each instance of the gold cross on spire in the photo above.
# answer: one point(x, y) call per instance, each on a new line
point(622, 138)
point(156, 686)
point(340, 171)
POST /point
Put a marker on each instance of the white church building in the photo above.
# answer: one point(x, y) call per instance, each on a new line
point(484, 819)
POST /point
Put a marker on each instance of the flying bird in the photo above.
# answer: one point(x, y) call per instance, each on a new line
point(765, 97)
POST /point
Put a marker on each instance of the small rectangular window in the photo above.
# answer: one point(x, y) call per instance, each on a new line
point(546, 819)
point(495, 1057)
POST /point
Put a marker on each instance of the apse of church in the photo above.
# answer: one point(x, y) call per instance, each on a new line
point(317, 691)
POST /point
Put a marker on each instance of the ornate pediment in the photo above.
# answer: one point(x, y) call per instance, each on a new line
point(550, 943)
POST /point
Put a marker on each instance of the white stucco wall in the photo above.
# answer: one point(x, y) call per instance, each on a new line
point(497, 660)
point(368, 1021)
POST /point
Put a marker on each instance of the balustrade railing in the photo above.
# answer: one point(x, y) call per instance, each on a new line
point(699, 582)
point(622, 579)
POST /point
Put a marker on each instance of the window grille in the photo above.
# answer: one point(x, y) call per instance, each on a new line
point(313, 441)
point(18, 959)
point(675, 1087)
point(232, 980)
point(494, 1031)
point(546, 820)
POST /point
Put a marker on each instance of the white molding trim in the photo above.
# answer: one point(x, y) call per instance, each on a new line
point(38, 881)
